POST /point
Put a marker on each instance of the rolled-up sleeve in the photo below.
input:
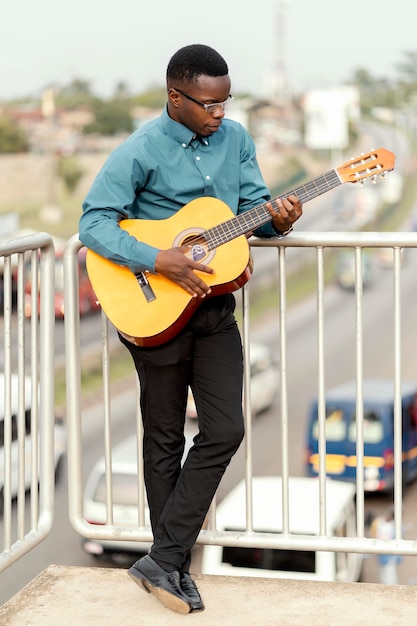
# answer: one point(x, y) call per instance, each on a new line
point(109, 201)
point(253, 190)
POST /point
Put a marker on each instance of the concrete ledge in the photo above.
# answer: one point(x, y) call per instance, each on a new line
point(83, 596)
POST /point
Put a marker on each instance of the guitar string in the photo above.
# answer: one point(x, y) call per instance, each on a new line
point(256, 217)
point(252, 219)
point(259, 215)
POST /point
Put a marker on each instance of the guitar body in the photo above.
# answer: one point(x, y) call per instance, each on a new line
point(151, 323)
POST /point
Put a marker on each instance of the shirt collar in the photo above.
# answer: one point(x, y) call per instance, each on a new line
point(178, 131)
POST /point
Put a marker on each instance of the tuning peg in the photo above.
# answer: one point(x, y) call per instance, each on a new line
point(373, 179)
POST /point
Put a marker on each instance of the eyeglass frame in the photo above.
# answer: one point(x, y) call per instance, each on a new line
point(209, 108)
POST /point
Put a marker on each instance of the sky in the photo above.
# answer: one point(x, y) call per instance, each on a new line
point(317, 43)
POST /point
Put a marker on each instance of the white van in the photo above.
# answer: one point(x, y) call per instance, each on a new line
point(303, 520)
point(59, 437)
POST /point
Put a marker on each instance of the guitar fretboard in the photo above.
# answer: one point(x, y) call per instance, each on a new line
point(256, 217)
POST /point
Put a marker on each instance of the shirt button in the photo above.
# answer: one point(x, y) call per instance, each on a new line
point(184, 145)
point(208, 177)
point(197, 158)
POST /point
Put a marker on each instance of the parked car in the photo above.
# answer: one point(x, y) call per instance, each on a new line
point(304, 519)
point(263, 381)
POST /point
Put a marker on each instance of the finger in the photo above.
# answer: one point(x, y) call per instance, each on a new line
point(275, 207)
point(288, 206)
point(199, 292)
point(200, 267)
point(202, 288)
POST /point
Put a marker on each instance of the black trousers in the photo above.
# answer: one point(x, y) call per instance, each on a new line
point(207, 355)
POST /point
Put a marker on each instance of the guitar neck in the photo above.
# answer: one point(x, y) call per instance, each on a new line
point(258, 216)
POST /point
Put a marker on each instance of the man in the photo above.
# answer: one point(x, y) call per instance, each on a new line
point(383, 527)
point(190, 151)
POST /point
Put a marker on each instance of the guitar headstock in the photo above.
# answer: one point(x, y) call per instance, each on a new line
point(370, 165)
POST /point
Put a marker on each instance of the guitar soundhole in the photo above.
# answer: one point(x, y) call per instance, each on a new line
point(199, 251)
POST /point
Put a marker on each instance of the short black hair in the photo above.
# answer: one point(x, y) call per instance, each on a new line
point(195, 60)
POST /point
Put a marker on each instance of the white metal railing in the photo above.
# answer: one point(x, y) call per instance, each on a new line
point(318, 242)
point(27, 395)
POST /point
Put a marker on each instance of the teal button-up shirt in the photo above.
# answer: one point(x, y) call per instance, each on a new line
point(155, 172)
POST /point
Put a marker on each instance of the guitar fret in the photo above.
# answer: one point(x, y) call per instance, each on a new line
point(258, 216)
point(317, 186)
point(236, 226)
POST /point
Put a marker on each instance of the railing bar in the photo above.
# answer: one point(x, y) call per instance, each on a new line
point(360, 500)
point(139, 450)
point(21, 426)
point(34, 492)
point(284, 390)
point(398, 451)
point(321, 386)
point(7, 317)
point(107, 419)
point(247, 409)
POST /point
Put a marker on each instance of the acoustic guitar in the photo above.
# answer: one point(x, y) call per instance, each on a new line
point(148, 309)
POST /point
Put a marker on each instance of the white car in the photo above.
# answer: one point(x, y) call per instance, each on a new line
point(263, 381)
point(125, 502)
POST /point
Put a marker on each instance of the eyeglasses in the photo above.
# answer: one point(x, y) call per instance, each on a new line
point(209, 108)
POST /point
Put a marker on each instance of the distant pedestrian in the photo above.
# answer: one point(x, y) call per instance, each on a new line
point(384, 528)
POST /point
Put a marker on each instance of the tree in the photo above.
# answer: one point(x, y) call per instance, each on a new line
point(76, 93)
point(155, 97)
point(122, 90)
point(110, 117)
point(409, 67)
point(12, 138)
point(70, 171)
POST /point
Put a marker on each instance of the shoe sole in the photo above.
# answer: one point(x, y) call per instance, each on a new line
point(168, 599)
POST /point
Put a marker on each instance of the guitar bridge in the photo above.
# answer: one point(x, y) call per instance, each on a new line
point(145, 286)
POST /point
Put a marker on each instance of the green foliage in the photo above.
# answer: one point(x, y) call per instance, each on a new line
point(12, 138)
point(154, 97)
point(110, 117)
point(408, 67)
point(392, 93)
point(70, 171)
point(76, 93)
